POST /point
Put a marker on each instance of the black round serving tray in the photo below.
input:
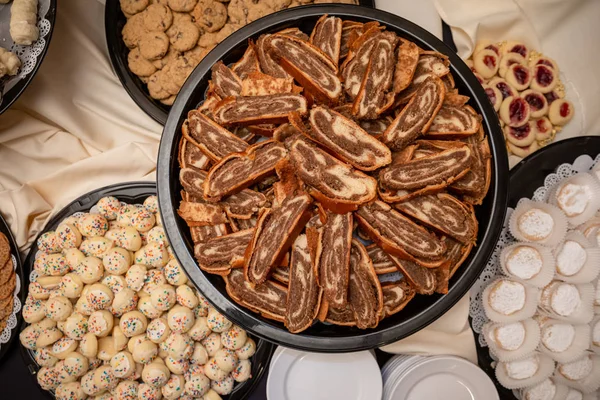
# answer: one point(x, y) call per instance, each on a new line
point(136, 193)
point(114, 20)
point(525, 178)
point(14, 250)
point(321, 337)
point(13, 94)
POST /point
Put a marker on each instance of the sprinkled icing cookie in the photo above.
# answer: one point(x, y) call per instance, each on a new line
point(75, 364)
point(73, 257)
point(153, 254)
point(70, 391)
point(186, 296)
point(116, 283)
point(34, 310)
point(179, 345)
point(44, 358)
point(146, 307)
point(63, 346)
point(71, 285)
point(175, 275)
point(178, 367)
point(125, 300)
point(226, 359)
point(68, 236)
point(212, 343)
point(158, 330)
point(48, 243)
point(234, 338)
point(133, 323)
point(109, 206)
point(148, 392)
point(76, 326)
point(47, 378)
point(51, 264)
point(154, 279)
point(217, 322)
point(117, 260)
point(100, 296)
point(90, 270)
point(174, 387)
point(100, 323)
point(155, 374)
point(180, 319)
point(92, 225)
point(58, 308)
point(163, 297)
point(96, 246)
point(247, 350)
point(156, 234)
point(242, 372)
point(135, 277)
point(213, 372)
point(223, 387)
point(200, 330)
point(104, 378)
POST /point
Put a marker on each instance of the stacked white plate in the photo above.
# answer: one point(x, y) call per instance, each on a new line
point(298, 375)
point(407, 377)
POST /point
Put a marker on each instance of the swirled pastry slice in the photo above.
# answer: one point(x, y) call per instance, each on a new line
point(347, 139)
point(454, 121)
point(456, 254)
point(213, 140)
point(406, 65)
point(282, 274)
point(396, 296)
point(224, 81)
point(433, 62)
point(201, 214)
point(375, 95)
point(332, 258)
point(343, 317)
point(381, 262)
point(240, 205)
point(437, 170)
point(253, 110)
point(398, 235)
point(354, 67)
point(276, 229)
point(376, 127)
point(309, 66)
point(327, 36)
point(304, 295)
point(443, 213)
point(191, 156)
point(259, 84)
point(422, 279)
point(474, 185)
point(364, 294)
point(351, 30)
point(335, 184)
point(269, 298)
point(265, 58)
point(295, 32)
point(414, 120)
point(238, 171)
point(218, 255)
point(248, 63)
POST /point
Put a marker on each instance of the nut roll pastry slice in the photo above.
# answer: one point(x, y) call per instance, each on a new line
point(256, 110)
point(422, 279)
point(201, 214)
point(414, 120)
point(265, 58)
point(304, 295)
point(338, 187)
point(224, 81)
point(408, 57)
point(435, 171)
point(275, 231)
point(190, 156)
point(220, 254)
point(474, 185)
point(237, 171)
point(396, 296)
point(354, 67)
point(444, 213)
point(454, 121)
point(381, 261)
point(327, 37)
point(309, 66)
point(346, 139)
point(248, 63)
point(269, 298)
point(213, 140)
point(398, 235)
point(364, 291)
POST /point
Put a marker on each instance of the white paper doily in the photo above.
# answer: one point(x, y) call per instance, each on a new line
point(12, 319)
point(492, 269)
point(27, 54)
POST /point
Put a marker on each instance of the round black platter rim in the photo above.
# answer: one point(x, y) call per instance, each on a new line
point(15, 92)
point(350, 339)
point(525, 178)
point(135, 193)
point(14, 250)
point(114, 19)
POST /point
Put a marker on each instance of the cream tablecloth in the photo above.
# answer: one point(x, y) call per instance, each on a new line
point(75, 129)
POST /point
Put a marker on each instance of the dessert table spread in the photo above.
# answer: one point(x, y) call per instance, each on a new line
point(75, 129)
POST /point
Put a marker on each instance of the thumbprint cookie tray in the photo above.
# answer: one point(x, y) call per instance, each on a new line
point(321, 160)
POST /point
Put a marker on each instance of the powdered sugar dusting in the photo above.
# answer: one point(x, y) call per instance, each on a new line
point(542, 391)
point(536, 224)
point(522, 369)
point(524, 262)
point(507, 297)
point(565, 299)
point(570, 258)
point(573, 199)
point(510, 336)
point(577, 369)
point(558, 337)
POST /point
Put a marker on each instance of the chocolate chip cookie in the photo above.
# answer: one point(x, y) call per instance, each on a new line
point(133, 6)
point(183, 36)
point(158, 17)
point(154, 45)
point(209, 15)
point(133, 30)
point(182, 5)
point(138, 64)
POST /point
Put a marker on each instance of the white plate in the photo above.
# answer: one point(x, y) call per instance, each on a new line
point(443, 378)
point(297, 375)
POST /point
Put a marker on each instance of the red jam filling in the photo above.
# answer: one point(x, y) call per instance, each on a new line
point(551, 97)
point(564, 110)
point(535, 101)
point(544, 75)
point(522, 50)
point(504, 89)
point(517, 110)
point(522, 132)
point(490, 61)
point(494, 48)
point(521, 74)
point(491, 95)
point(541, 126)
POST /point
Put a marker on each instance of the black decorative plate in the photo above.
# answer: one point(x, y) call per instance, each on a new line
point(525, 178)
point(136, 193)
point(422, 310)
point(114, 20)
point(7, 336)
point(12, 94)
